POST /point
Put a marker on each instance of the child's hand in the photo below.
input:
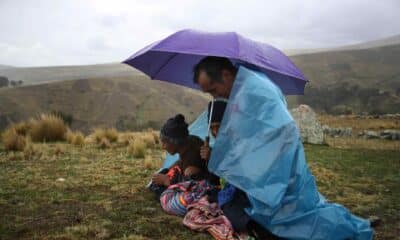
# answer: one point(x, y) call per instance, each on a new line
point(205, 152)
point(161, 179)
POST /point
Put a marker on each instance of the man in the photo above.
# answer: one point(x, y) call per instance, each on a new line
point(215, 75)
point(259, 151)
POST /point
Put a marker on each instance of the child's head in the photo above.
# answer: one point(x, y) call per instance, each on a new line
point(217, 114)
point(174, 133)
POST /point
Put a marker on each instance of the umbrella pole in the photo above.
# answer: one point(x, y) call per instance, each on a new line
point(209, 122)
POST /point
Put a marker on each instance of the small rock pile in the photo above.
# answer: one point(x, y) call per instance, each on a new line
point(388, 134)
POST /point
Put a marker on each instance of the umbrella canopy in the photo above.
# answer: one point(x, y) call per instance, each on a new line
point(173, 58)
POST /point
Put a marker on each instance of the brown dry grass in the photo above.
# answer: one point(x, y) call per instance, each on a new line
point(361, 143)
point(125, 138)
point(12, 140)
point(47, 128)
point(152, 163)
point(22, 128)
point(359, 124)
point(76, 138)
point(104, 143)
point(111, 134)
point(137, 148)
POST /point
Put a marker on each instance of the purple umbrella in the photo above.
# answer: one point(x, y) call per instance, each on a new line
point(173, 58)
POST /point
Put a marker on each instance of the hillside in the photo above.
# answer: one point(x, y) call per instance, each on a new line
point(39, 75)
point(123, 102)
point(393, 40)
point(2, 67)
point(366, 80)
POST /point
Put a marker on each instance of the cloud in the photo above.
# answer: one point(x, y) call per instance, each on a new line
point(46, 32)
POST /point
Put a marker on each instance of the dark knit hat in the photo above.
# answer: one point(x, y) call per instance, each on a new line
point(175, 130)
point(218, 110)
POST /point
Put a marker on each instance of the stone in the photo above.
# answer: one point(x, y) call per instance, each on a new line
point(310, 129)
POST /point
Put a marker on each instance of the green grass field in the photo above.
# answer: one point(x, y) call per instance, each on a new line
point(65, 192)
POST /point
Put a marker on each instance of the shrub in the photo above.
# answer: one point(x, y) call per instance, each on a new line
point(137, 148)
point(126, 138)
point(12, 140)
point(22, 128)
point(31, 151)
point(156, 137)
point(150, 163)
point(76, 138)
point(48, 128)
point(148, 139)
point(104, 143)
point(67, 118)
point(111, 134)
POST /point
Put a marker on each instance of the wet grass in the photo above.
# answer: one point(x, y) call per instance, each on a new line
point(72, 192)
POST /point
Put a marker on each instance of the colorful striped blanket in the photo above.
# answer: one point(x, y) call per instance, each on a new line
point(177, 197)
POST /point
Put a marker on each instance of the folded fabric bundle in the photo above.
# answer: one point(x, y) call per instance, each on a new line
point(177, 197)
point(205, 216)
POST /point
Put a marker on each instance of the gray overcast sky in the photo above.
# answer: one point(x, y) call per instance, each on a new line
point(74, 32)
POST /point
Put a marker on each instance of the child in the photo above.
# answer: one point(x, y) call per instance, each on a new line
point(175, 139)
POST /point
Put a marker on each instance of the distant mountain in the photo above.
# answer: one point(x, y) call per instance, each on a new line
point(4, 67)
point(362, 80)
point(39, 75)
point(133, 102)
point(393, 40)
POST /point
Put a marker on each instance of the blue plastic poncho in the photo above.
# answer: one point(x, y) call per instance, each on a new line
point(258, 149)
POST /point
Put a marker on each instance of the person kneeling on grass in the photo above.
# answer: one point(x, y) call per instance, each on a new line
point(175, 139)
point(230, 199)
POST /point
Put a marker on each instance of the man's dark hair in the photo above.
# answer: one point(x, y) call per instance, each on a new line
point(213, 66)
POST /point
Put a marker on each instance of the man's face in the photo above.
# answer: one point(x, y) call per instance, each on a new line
point(214, 128)
point(216, 89)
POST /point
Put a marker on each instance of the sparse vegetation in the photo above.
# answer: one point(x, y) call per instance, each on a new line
point(111, 134)
point(12, 140)
point(74, 193)
point(137, 148)
point(358, 124)
point(4, 81)
point(76, 138)
point(104, 143)
point(47, 128)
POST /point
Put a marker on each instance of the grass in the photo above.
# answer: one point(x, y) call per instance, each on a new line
point(76, 138)
point(358, 124)
point(102, 194)
point(12, 140)
point(47, 128)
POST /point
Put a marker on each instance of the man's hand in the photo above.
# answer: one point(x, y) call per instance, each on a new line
point(205, 152)
point(161, 179)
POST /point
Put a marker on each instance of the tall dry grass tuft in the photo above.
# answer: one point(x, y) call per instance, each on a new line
point(47, 128)
point(156, 137)
point(12, 140)
point(150, 163)
point(76, 138)
point(31, 151)
point(111, 134)
point(125, 138)
point(148, 139)
point(104, 143)
point(137, 148)
point(22, 128)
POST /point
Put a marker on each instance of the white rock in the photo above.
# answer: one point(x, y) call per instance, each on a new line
point(310, 129)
